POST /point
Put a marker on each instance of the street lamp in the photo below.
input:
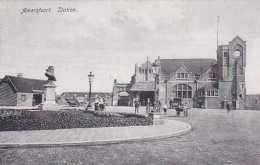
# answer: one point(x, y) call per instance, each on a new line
point(156, 71)
point(90, 79)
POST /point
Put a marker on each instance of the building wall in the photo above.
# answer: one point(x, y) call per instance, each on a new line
point(167, 91)
point(120, 87)
point(24, 99)
point(144, 72)
point(253, 102)
point(7, 95)
point(212, 103)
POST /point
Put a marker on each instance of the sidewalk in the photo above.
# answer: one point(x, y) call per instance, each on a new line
point(91, 136)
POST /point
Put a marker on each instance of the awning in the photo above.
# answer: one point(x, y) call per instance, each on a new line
point(143, 86)
point(123, 94)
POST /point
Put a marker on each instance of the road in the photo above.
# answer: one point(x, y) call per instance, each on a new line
point(217, 137)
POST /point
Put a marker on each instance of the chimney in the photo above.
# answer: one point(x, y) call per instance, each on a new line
point(20, 75)
point(115, 81)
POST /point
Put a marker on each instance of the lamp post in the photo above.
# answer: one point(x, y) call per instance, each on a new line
point(156, 116)
point(90, 79)
point(156, 70)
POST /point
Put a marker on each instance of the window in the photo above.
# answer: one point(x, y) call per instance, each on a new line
point(214, 75)
point(225, 54)
point(182, 75)
point(212, 93)
point(202, 93)
point(182, 91)
point(23, 97)
point(140, 71)
point(225, 58)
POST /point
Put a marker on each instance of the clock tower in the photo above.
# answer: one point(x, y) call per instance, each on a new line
point(231, 64)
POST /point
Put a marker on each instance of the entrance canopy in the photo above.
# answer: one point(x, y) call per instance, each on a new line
point(143, 86)
point(123, 94)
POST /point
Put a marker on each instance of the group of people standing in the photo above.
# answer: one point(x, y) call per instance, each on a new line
point(99, 104)
point(150, 107)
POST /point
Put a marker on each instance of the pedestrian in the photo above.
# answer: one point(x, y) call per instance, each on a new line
point(101, 104)
point(148, 106)
point(159, 106)
point(185, 109)
point(96, 104)
point(136, 106)
point(228, 107)
point(165, 109)
point(171, 101)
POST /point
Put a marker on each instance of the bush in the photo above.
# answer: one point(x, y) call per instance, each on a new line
point(13, 120)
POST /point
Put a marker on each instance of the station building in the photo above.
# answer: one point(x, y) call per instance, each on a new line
point(203, 83)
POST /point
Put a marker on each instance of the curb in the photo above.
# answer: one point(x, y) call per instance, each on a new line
point(95, 143)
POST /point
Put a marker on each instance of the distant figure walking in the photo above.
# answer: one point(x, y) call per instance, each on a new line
point(228, 108)
point(171, 103)
point(96, 104)
point(185, 110)
point(159, 106)
point(136, 106)
point(148, 106)
point(165, 109)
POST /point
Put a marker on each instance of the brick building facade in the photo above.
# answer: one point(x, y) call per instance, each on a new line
point(205, 83)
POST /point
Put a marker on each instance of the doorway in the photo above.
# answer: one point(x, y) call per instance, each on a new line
point(144, 96)
point(37, 99)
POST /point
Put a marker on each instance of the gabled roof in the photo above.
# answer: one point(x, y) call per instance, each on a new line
point(146, 65)
point(26, 85)
point(239, 38)
point(196, 66)
point(143, 86)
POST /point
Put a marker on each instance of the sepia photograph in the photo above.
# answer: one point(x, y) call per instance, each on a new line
point(120, 82)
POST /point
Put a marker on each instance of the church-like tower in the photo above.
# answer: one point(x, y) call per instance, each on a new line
point(231, 66)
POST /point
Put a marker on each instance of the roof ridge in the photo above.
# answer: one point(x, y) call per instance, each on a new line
point(25, 78)
point(187, 59)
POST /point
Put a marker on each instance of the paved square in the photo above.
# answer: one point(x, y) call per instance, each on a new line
point(218, 137)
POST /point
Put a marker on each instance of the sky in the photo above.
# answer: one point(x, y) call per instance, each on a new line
point(110, 37)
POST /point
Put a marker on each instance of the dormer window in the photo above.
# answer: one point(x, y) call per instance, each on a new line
point(182, 76)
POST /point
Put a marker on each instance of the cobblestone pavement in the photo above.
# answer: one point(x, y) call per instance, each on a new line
point(217, 138)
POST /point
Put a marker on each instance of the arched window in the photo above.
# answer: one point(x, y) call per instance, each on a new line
point(182, 91)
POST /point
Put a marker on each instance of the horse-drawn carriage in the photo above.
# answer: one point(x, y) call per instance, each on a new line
point(177, 105)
